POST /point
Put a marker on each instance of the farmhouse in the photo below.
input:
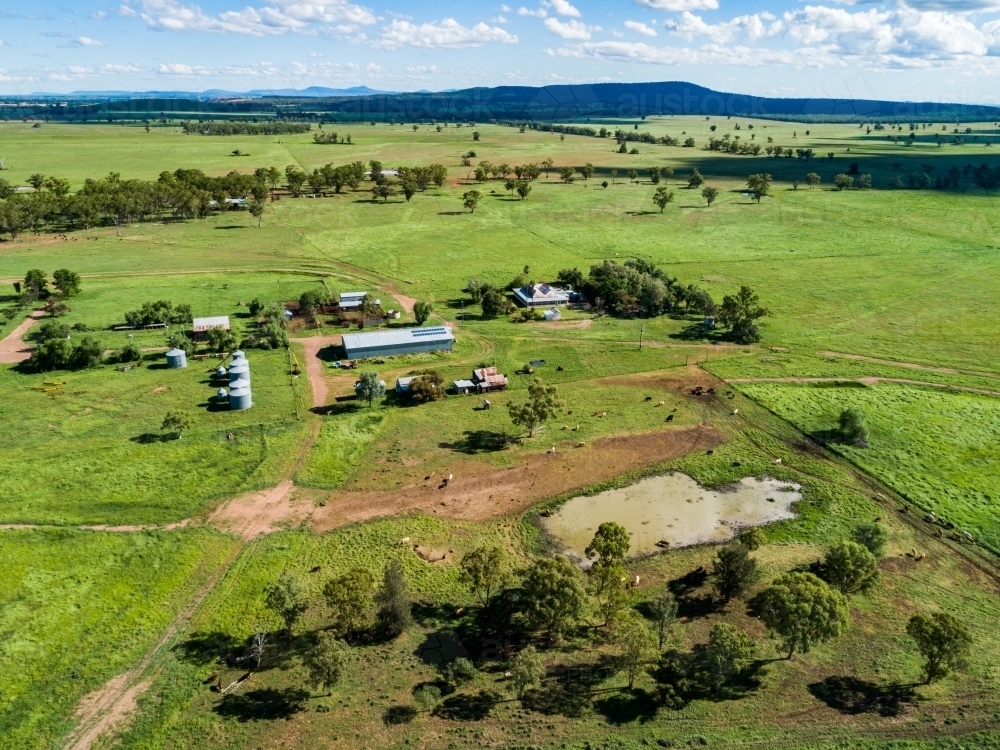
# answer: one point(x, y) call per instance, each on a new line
point(489, 379)
point(202, 326)
point(395, 342)
point(541, 295)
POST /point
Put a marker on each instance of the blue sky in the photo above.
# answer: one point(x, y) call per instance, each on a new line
point(938, 50)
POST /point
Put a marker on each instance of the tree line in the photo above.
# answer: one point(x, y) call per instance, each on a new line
point(241, 127)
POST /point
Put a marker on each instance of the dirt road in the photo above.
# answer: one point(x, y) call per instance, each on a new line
point(315, 366)
point(12, 348)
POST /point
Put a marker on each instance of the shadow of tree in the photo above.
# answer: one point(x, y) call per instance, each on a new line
point(468, 706)
point(625, 707)
point(148, 438)
point(265, 704)
point(395, 715)
point(568, 690)
point(851, 695)
point(339, 408)
point(690, 606)
point(479, 441)
point(204, 648)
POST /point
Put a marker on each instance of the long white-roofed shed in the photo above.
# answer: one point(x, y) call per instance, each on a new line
point(399, 341)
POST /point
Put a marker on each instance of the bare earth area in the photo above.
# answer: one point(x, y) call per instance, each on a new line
point(258, 513)
point(482, 491)
point(314, 365)
point(12, 348)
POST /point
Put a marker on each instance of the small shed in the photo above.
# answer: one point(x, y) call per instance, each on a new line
point(176, 358)
point(553, 314)
point(352, 300)
point(464, 387)
point(201, 326)
point(403, 384)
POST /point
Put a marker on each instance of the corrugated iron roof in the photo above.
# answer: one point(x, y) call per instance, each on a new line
point(396, 337)
point(203, 324)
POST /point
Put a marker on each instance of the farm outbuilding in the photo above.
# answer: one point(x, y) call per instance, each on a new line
point(489, 379)
point(201, 326)
point(403, 384)
point(352, 300)
point(176, 358)
point(396, 342)
point(464, 386)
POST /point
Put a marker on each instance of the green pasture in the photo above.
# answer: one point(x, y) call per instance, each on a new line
point(938, 450)
point(77, 608)
point(91, 451)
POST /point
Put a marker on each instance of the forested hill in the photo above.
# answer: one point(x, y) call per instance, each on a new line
point(506, 103)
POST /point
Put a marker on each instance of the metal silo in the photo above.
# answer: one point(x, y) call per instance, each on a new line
point(239, 399)
point(238, 354)
point(239, 371)
point(220, 372)
point(221, 395)
point(176, 358)
point(235, 385)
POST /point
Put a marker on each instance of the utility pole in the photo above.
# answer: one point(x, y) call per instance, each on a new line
point(641, 327)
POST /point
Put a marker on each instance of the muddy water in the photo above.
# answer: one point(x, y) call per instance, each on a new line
point(673, 508)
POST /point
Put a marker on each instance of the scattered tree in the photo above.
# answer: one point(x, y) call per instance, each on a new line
point(393, 600)
point(256, 208)
point(752, 538)
point(695, 180)
point(526, 670)
point(609, 545)
point(735, 572)
point(728, 653)
point(852, 426)
point(286, 598)
point(943, 640)
point(812, 180)
point(740, 313)
point(67, 282)
point(872, 536)
point(664, 611)
point(177, 422)
point(759, 185)
point(523, 188)
point(709, 193)
point(470, 200)
point(428, 387)
point(220, 340)
point(258, 640)
point(843, 181)
point(662, 197)
point(485, 570)
point(422, 311)
point(493, 303)
point(632, 174)
point(607, 584)
point(349, 598)
point(554, 596)
point(370, 387)
point(803, 610)
point(850, 567)
point(566, 174)
point(636, 644)
point(543, 403)
point(326, 660)
point(35, 283)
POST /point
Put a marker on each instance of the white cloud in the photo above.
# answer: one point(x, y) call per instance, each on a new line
point(751, 28)
point(110, 69)
point(538, 13)
point(640, 52)
point(86, 41)
point(99, 15)
point(570, 29)
point(498, 19)
point(126, 12)
point(676, 6)
point(303, 16)
point(640, 28)
point(505, 9)
point(448, 34)
point(374, 68)
point(564, 8)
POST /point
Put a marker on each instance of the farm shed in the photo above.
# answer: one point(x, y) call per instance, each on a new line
point(552, 314)
point(464, 386)
point(541, 295)
point(489, 379)
point(352, 300)
point(403, 384)
point(395, 342)
point(201, 326)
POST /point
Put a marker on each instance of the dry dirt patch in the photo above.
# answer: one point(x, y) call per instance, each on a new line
point(257, 513)
point(480, 490)
point(315, 366)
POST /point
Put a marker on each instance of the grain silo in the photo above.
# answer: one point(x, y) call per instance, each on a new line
point(221, 395)
point(220, 372)
point(239, 399)
point(235, 385)
point(238, 354)
point(176, 358)
point(240, 371)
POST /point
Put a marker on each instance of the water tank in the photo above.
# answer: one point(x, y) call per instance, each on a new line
point(239, 371)
point(239, 399)
point(235, 385)
point(176, 358)
point(222, 395)
point(220, 372)
point(238, 354)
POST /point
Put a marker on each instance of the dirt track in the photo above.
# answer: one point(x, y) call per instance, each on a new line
point(314, 365)
point(485, 492)
point(259, 513)
point(12, 348)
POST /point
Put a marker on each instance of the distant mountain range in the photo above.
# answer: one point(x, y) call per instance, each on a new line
point(311, 91)
point(583, 102)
